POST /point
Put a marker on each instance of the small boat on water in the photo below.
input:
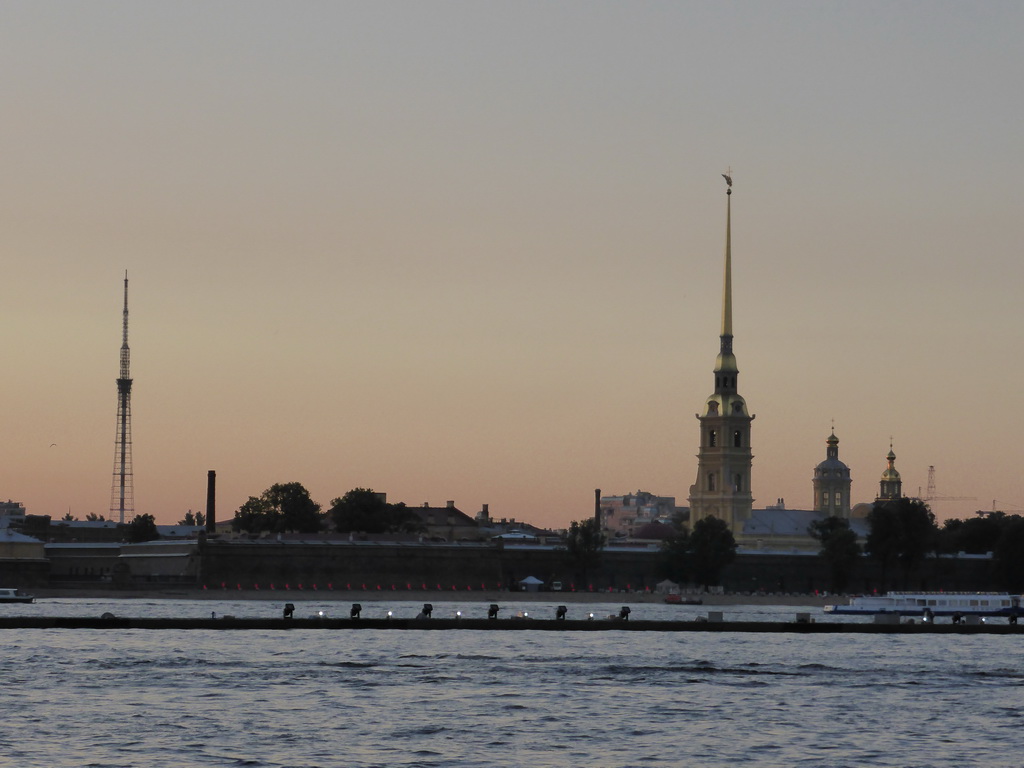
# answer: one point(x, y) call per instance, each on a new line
point(9, 595)
point(937, 603)
point(676, 599)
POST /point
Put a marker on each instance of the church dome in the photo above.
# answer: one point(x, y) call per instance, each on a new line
point(890, 474)
point(832, 462)
point(861, 510)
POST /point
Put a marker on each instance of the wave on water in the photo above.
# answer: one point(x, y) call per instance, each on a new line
point(693, 669)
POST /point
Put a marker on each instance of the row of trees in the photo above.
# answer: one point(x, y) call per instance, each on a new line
point(903, 532)
point(288, 507)
point(191, 518)
point(696, 556)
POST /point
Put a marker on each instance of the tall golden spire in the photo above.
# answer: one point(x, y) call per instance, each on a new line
point(726, 362)
point(727, 289)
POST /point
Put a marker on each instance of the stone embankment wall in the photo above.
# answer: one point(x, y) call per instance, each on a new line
point(344, 565)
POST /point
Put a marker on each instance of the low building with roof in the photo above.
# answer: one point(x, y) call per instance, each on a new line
point(23, 560)
point(158, 562)
point(81, 563)
point(12, 509)
point(180, 532)
point(84, 531)
point(447, 523)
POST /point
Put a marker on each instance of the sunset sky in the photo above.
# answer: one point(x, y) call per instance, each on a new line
point(473, 251)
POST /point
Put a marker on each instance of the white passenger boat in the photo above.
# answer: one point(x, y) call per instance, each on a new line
point(939, 603)
point(9, 595)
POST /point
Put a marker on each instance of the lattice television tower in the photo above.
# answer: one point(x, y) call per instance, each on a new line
point(122, 496)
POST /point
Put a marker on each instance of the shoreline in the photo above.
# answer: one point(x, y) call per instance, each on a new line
point(429, 596)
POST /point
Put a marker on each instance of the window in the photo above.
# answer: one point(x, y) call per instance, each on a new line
point(738, 483)
point(711, 481)
point(737, 439)
point(712, 438)
point(839, 498)
point(824, 499)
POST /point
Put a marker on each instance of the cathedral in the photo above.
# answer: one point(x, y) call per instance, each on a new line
point(723, 487)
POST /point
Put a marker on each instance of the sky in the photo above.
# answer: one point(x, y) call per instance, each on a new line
point(473, 251)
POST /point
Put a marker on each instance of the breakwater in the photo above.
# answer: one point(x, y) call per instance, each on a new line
point(513, 625)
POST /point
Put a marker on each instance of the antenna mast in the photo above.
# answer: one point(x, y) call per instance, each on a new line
point(122, 496)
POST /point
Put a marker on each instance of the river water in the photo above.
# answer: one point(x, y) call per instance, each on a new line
point(466, 698)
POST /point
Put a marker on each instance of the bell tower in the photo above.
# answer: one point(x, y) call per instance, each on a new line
point(832, 482)
point(890, 487)
point(722, 489)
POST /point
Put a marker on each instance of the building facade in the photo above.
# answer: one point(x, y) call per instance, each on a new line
point(623, 516)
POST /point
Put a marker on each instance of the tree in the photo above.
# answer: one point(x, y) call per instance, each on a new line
point(839, 548)
point(1008, 554)
point(362, 510)
point(675, 553)
point(282, 507)
point(584, 543)
point(142, 528)
point(975, 536)
point(902, 531)
point(92, 517)
point(193, 519)
point(69, 517)
point(712, 547)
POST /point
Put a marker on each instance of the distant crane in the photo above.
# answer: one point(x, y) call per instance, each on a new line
point(1002, 506)
point(931, 495)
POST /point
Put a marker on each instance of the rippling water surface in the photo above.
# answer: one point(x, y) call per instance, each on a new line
point(467, 698)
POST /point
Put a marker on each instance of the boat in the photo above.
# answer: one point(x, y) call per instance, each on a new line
point(9, 595)
point(937, 603)
point(676, 599)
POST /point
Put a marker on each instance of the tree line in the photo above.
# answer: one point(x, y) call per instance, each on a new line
point(903, 532)
point(287, 507)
